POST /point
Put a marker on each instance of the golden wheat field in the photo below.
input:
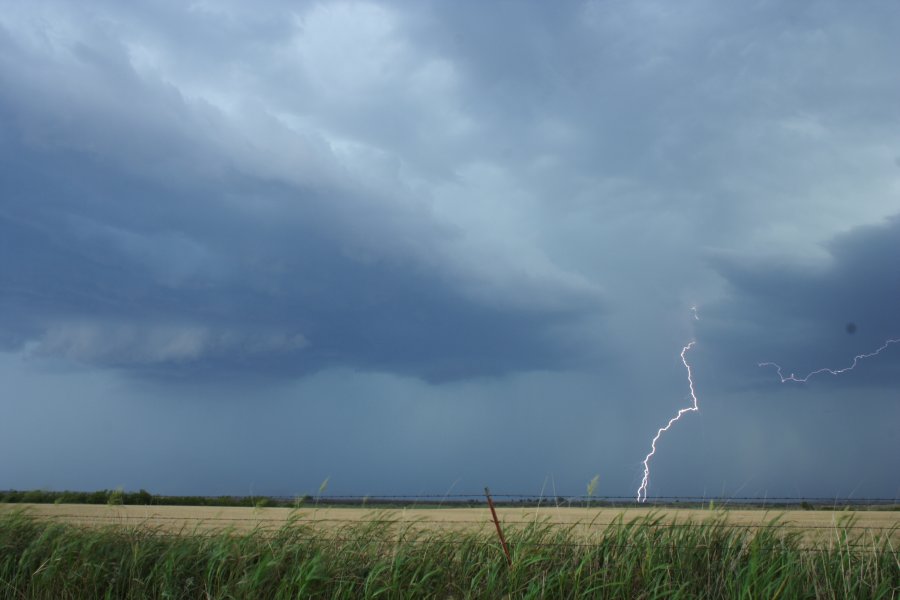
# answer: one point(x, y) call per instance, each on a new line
point(813, 525)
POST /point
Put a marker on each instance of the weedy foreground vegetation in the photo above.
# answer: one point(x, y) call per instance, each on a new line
point(642, 558)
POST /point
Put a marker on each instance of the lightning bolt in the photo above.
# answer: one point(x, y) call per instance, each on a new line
point(852, 366)
point(642, 490)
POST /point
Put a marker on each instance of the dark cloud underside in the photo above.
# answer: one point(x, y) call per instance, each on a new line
point(403, 244)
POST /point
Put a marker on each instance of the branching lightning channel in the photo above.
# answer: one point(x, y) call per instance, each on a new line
point(642, 490)
point(852, 365)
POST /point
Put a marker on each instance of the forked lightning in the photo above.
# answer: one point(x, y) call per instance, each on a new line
point(852, 366)
point(642, 490)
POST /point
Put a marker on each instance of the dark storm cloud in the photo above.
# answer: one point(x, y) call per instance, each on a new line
point(129, 239)
point(79, 286)
point(815, 315)
point(856, 284)
point(312, 207)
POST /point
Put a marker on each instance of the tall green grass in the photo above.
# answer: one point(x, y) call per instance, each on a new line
point(637, 559)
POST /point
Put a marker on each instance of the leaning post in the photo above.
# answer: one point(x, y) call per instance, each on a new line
point(490, 502)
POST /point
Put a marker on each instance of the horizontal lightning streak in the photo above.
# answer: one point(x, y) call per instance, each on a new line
point(642, 490)
point(852, 366)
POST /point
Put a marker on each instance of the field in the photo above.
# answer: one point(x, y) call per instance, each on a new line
point(811, 525)
point(83, 551)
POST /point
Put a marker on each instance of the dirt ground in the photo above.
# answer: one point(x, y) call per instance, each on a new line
point(814, 525)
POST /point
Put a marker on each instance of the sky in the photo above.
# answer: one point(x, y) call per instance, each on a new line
point(424, 247)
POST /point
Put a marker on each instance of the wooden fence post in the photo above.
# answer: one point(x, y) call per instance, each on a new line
point(487, 493)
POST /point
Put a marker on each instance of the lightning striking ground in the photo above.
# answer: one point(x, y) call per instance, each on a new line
point(642, 490)
point(852, 366)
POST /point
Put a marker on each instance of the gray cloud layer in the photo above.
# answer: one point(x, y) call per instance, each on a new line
point(819, 315)
point(160, 211)
point(516, 204)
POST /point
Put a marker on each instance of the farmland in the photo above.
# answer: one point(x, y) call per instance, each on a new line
point(811, 525)
point(187, 552)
